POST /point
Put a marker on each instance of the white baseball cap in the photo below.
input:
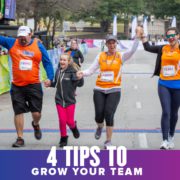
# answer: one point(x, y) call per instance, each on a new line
point(23, 31)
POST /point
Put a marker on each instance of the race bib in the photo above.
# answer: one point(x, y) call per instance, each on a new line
point(25, 65)
point(169, 70)
point(107, 76)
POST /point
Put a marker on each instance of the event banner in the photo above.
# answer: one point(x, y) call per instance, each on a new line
point(10, 9)
point(73, 162)
point(4, 74)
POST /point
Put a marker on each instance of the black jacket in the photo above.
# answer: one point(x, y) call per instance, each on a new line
point(66, 82)
point(76, 55)
point(158, 50)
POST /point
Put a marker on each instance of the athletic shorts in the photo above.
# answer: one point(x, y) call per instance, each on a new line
point(26, 98)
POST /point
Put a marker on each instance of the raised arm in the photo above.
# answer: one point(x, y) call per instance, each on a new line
point(147, 46)
point(130, 52)
point(7, 42)
point(150, 48)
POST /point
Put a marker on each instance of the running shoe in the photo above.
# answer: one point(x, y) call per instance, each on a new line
point(63, 141)
point(75, 132)
point(98, 133)
point(19, 142)
point(37, 131)
point(107, 143)
point(171, 142)
point(164, 145)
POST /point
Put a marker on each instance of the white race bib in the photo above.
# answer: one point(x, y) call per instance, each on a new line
point(25, 65)
point(107, 76)
point(168, 70)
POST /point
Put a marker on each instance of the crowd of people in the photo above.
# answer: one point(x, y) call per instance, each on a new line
point(26, 90)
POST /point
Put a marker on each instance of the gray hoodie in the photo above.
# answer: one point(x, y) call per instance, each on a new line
point(66, 82)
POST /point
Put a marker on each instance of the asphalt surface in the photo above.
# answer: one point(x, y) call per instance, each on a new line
point(137, 120)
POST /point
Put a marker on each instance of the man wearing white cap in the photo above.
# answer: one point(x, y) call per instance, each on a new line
point(26, 91)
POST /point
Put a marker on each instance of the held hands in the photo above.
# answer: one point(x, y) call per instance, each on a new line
point(79, 74)
point(139, 32)
point(47, 83)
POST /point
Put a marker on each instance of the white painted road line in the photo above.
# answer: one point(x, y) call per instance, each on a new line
point(138, 105)
point(143, 141)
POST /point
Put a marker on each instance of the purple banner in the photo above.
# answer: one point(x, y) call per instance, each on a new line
point(10, 9)
point(141, 165)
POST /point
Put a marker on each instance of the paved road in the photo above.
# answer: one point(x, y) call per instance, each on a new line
point(137, 120)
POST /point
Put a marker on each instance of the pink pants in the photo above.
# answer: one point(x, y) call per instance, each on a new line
point(66, 117)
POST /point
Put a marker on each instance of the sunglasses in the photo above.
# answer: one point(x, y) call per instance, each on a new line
point(170, 36)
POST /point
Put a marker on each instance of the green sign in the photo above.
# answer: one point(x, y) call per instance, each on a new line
point(4, 74)
point(2, 3)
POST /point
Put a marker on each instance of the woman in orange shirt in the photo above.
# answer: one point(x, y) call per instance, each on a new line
point(107, 91)
point(168, 70)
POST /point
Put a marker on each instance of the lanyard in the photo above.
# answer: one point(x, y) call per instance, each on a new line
point(111, 61)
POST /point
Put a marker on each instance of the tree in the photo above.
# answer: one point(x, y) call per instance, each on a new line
point(24, 10)
point(104, 11)
point(163, 9)
point(53, 12)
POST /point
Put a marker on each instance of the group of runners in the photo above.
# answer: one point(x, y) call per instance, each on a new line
point(26, 90)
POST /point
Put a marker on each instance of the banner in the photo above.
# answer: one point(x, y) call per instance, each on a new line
point(173, 23)
point(83, 48)
point(4, 74)
point(115, 25)
point(145, 26)
point(79, 163)
point(133, 27)
point(90, 43)
point(54, 55)
point(10, 9)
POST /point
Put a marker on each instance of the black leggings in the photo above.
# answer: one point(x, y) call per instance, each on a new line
point(170, 102)
point(105, 106)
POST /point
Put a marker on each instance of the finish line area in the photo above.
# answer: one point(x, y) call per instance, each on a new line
point(136, 122)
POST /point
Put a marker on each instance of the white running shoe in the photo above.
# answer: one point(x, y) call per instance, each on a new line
point(107, 143)
point(164, 145)
point(171, 142)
